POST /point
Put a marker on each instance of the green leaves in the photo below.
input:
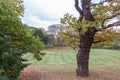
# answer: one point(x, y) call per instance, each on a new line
point(103, 15)
point(15, 40)
point(68, 20)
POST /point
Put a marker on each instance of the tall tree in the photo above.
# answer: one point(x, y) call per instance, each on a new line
point(55, 30)
point(93, 20)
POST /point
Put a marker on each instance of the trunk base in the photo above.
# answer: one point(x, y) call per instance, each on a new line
point(82, 73)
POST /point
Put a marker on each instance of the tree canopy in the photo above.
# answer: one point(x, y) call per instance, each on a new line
point(106, 15)
point(94, 25)
point(56, 30)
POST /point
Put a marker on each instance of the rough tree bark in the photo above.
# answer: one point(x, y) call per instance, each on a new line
point(86, 39)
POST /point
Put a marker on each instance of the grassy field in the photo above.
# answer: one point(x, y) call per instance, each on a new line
point(104, 64)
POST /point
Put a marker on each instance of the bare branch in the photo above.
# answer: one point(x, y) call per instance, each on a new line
point(112, 25)
point(79, 10)
point(100, 3)
point(110, 18)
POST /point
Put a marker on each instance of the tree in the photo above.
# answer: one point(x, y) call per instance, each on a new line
point(91, 26)
point(15, 40)
point(56, 30)
point(40, 32)
point(45, 37)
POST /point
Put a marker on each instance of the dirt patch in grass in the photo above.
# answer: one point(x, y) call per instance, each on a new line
point(35, 73)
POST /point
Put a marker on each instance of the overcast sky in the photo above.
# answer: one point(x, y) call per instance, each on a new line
point(42, 13)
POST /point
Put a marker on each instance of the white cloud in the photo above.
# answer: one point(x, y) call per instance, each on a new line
point(42, 13)
point(46, 12)
point(34, 21)
point(51, 7)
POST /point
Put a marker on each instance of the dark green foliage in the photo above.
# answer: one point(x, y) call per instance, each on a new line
point(42, 35)
point(14, 44)
point(46, 38)
point(10, 55)
point(15, 40)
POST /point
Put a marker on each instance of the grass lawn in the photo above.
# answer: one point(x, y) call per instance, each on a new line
point(103, 63)
point(67, 57)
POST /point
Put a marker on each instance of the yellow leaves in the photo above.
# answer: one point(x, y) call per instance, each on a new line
point(106, 36)
point(71, 37)
point(106, 11)
point(85, 24)
point(70, 20)
point(83, 30)
point(15, 6)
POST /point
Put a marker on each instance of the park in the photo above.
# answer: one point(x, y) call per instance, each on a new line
point(35, 44)
point(60, 63)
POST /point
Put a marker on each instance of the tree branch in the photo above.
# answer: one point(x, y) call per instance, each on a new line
point(113, 16)
point(112, 25)
point(79, 10)
point(99, 41)
point(71, 35)
point(100, 3)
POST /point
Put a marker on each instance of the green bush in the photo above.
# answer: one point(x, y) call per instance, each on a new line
point(15, 40)
point(14, 44)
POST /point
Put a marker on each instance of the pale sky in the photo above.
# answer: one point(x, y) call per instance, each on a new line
point(42, 13)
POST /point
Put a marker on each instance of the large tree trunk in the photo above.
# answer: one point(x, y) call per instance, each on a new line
point(86, 41)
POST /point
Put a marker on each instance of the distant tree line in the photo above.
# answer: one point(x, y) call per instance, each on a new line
point(51, 36)
point(60, 35)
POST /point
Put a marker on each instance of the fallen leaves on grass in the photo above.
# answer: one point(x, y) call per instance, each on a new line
point(35, 73)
